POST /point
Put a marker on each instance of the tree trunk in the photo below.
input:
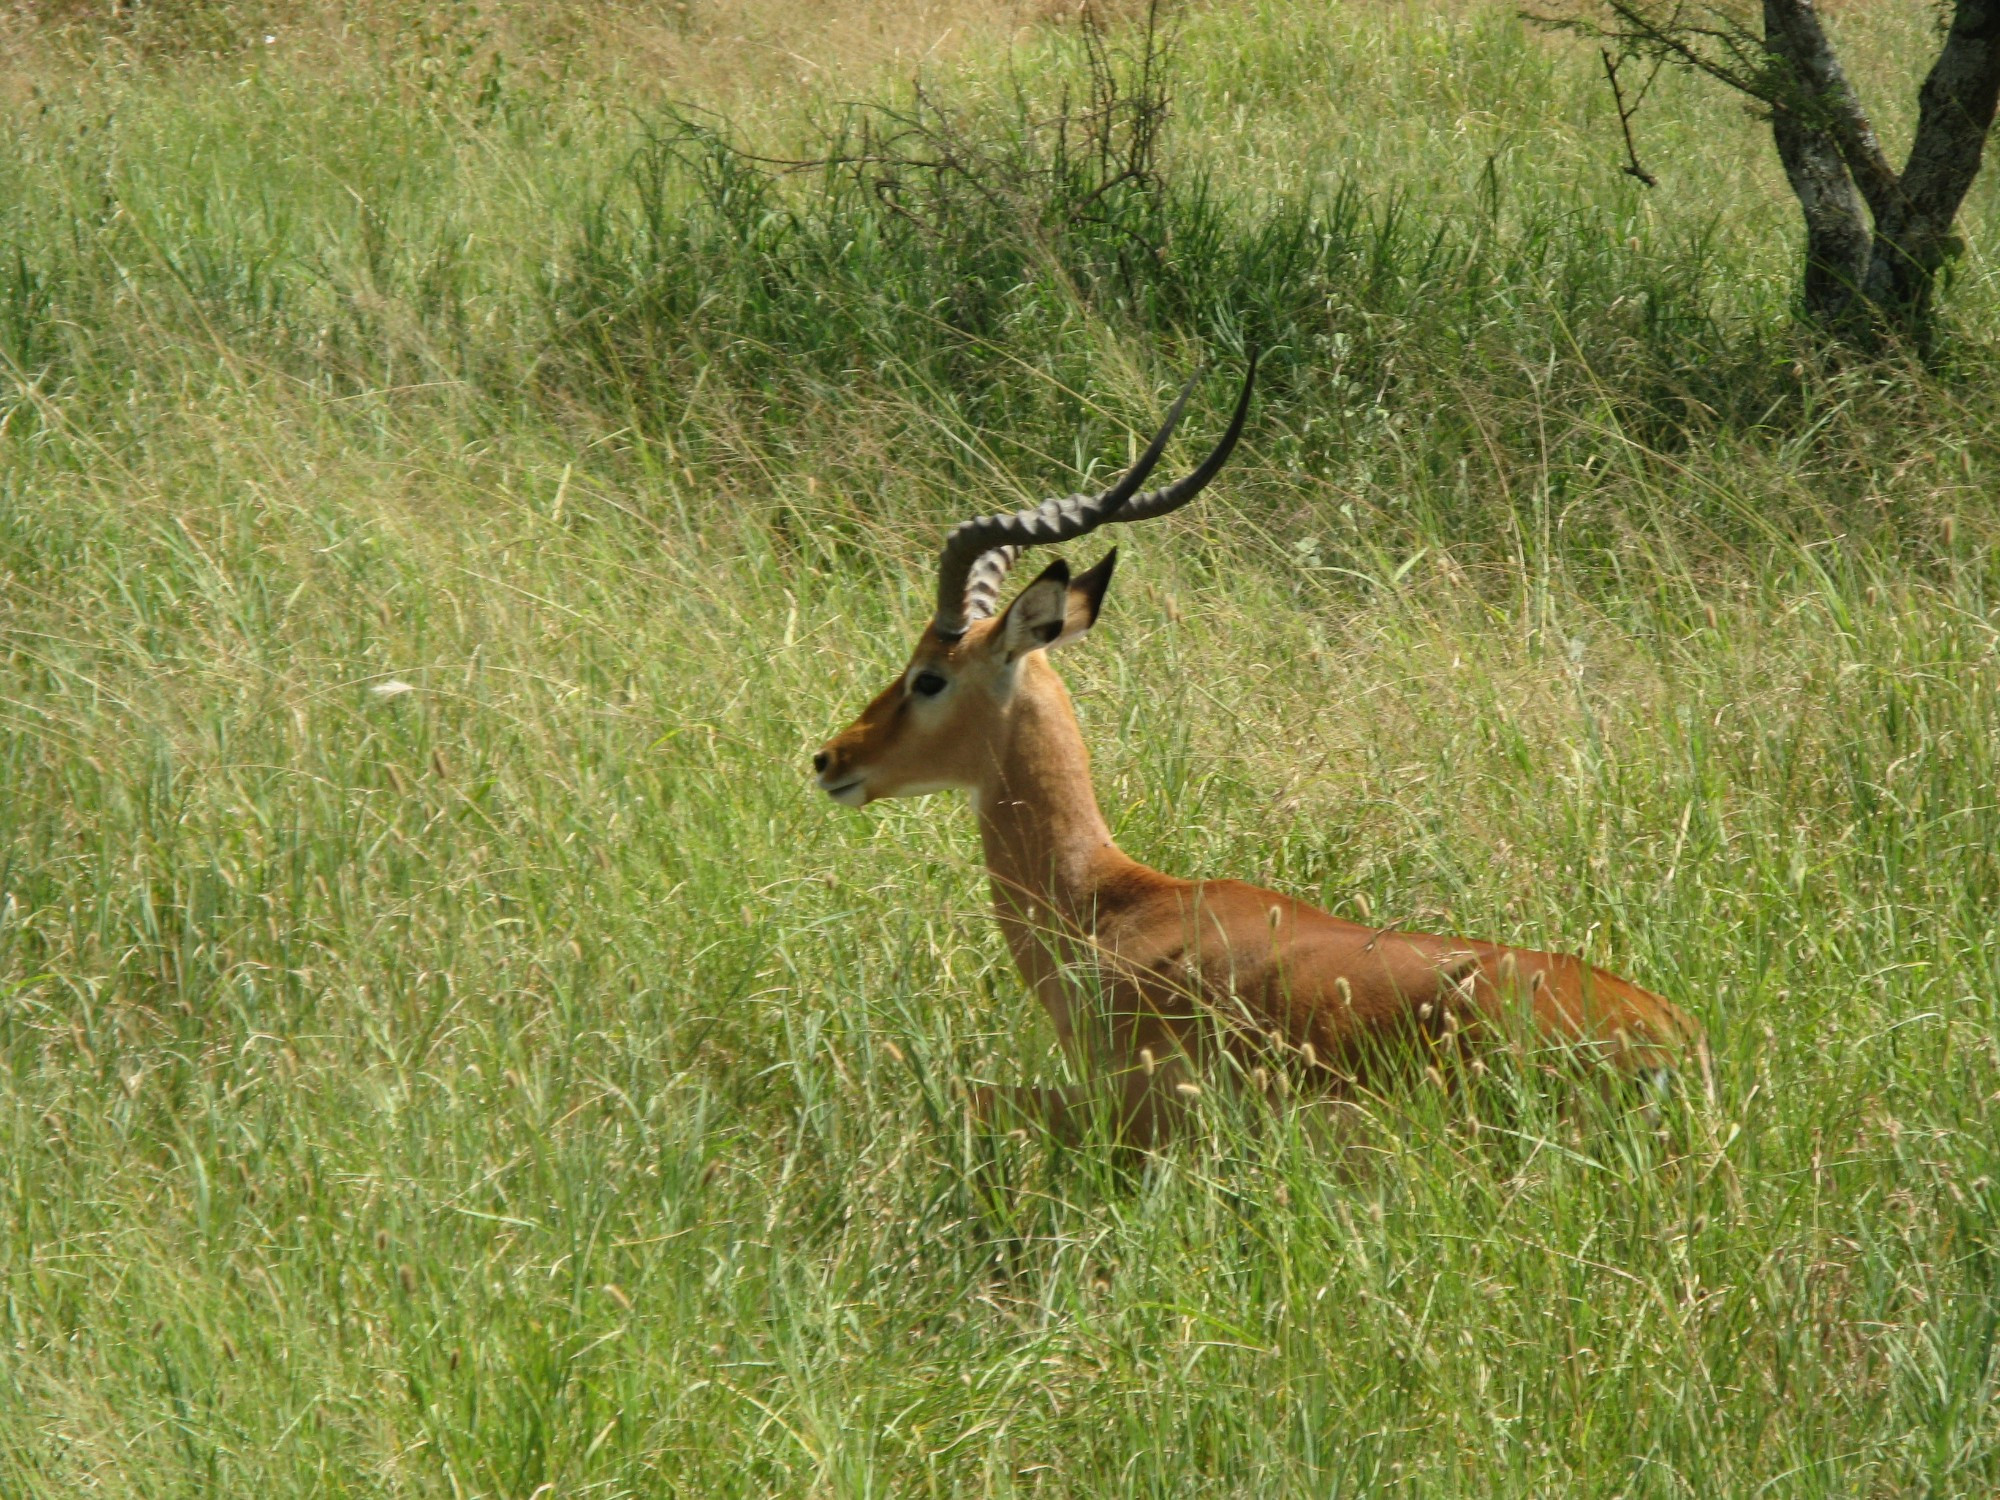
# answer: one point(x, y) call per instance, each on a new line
point(1860, 285)
point(1913, 234)
point(1837, 240)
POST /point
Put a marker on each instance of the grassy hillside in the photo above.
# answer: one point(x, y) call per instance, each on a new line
point(447, 488)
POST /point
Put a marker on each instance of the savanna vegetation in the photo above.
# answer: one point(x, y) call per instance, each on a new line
point(456, 461)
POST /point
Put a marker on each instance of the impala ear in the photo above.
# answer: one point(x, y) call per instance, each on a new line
point(1055, 609)
point(1086, 597)
point(1039, 615)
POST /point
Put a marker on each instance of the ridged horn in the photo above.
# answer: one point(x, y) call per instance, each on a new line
point(978, 553)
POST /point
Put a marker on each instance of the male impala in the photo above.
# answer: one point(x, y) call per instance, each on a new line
point(1146, 975)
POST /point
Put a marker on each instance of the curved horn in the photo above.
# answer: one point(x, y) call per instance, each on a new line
point(978, 553)
point(1174, 496)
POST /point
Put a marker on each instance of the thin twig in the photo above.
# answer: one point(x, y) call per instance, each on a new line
point(1631, 167)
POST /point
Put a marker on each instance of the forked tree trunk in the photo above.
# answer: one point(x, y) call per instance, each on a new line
point(1866, 282)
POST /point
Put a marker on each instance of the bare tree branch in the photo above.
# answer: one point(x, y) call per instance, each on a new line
point(1625, 113)
point(1719, 46)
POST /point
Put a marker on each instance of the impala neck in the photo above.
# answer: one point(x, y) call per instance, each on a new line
point(1046, 842)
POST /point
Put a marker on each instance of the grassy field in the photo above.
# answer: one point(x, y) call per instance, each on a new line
point(446, 491)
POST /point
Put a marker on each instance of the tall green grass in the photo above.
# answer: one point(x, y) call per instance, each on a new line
point(448, 1051)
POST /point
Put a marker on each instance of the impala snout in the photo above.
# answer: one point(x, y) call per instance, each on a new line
point(836, 775)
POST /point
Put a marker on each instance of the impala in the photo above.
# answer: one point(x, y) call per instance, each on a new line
point(1149, 977)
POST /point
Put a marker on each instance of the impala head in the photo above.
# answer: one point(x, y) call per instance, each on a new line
point(933, 727)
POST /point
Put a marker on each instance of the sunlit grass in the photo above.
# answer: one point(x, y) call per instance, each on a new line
point(449, 1051)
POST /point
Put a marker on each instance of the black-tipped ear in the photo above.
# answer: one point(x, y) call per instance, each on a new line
point(1086, 595)
point(1056, 572)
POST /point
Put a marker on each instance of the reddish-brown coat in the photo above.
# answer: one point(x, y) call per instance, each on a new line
point(1145, 975)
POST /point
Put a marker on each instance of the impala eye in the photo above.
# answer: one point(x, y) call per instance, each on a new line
point(928, 685)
